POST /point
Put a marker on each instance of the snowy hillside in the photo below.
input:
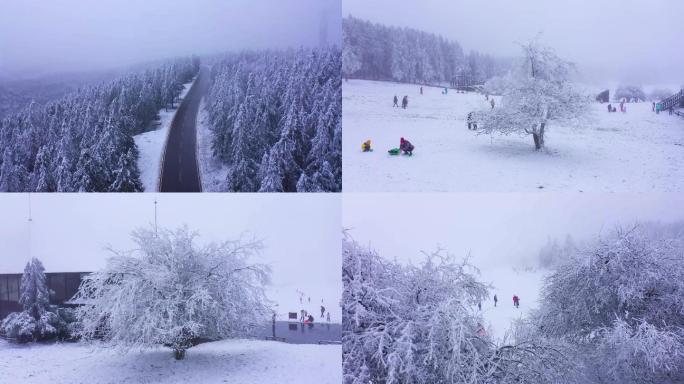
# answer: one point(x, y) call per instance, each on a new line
point(233, 361)
point(507, 282)
point(633, 151)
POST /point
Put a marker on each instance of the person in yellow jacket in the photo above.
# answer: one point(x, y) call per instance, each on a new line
point(366, 146)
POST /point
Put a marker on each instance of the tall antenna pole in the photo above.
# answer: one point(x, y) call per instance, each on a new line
point(155, 217)
point(30, 219)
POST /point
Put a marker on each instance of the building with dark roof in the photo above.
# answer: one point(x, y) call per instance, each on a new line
point(63, 286)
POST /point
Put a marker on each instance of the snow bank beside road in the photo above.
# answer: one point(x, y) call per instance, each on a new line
point(228, 361)
point(151, 145)
point(213, 172)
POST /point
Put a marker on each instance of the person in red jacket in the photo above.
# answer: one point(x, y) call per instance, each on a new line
point(406, 146)
point(516, 301)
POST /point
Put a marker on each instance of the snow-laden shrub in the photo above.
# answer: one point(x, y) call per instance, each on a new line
point(19, 326)
point(620, 303)
point(170, 291)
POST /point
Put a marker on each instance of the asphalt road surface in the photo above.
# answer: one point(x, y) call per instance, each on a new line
point(180, 171)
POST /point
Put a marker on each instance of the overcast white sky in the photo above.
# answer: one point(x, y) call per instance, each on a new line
point(496, 228)
point(70, 35)
point(301, 232)
point(613, 40)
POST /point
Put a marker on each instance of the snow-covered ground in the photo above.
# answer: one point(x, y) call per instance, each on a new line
point(151, 145)
point(229, 361)
point(213, 172)
point(637, 151)
point(507, 282)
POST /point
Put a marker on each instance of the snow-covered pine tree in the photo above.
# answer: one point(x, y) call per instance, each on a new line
point(60, 146)
point(276, 120)
point(171, 292)
point(38, 320)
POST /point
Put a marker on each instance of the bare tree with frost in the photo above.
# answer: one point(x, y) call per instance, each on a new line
point(535, 94)
point(171, 292)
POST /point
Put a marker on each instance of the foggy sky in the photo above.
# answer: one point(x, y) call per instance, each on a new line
point(498, 229)
point(39, 36)
point(301, 232)
point(611, 40)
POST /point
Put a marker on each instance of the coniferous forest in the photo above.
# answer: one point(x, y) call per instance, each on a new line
point(276, 120)
point(84, 140)
point(378, 52)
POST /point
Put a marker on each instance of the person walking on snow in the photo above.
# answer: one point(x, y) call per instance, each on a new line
point(492, 102)
point(406, 146)
point(404, 102)
point(396, 102)
point(495, 299)
point(322, 311)
point(421, 90)
point(516, 301)
point(479, 305)
point(328, 317)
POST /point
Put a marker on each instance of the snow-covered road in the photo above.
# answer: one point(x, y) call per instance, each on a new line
point(229, 361)
point(637, 151)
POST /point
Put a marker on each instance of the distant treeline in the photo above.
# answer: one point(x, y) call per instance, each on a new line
point(84, 141)
point(378, 52)
point(276, 120)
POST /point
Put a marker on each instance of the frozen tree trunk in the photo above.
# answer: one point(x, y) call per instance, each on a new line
point(179, 354)
point(538, 136)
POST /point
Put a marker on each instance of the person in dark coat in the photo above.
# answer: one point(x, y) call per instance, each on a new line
point(404, 102)
point(406, 146)
point(396, 101)
point(471, 121)
point(495, 299)
point(322, 311)
point(610, 108)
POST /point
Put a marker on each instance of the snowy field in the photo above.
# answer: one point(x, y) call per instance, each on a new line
point(637, 151)
point(151, 145)
point(230, 361)
point(507, 282)
point(213, 172)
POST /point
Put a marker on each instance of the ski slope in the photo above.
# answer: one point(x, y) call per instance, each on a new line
point(505, 283)
point(228, 361)
point(637, 151)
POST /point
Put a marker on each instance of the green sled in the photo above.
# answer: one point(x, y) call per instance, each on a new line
point(394, 151)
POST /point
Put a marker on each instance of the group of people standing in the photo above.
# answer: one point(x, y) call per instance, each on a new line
point(623, 108)
point(404, 101)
